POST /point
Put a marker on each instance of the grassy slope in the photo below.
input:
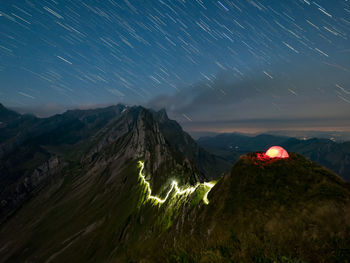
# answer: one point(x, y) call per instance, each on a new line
point(77, 216)
point(89, 216)
point(288, 210)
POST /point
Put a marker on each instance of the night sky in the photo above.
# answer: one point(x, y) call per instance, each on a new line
point(241, 65)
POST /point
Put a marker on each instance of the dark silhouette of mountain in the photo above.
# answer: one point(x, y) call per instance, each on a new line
point(32, 150)
point(335, 156)
point(126, 184)
point(7, 115)
point(336, 136)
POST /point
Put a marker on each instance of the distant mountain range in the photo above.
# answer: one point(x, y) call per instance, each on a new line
point(336, 136)
point(335, 156)
point(127, 184)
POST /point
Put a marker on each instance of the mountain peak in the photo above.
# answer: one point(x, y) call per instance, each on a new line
point(161, 144)
point(162, 115)
point(296, 172)
point(7, 115)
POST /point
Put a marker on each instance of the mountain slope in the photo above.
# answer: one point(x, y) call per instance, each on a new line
point(36, 149)
point(103, 190)
point(33, 149)
point(210, 165)
point(286, 210)
point(261, 211)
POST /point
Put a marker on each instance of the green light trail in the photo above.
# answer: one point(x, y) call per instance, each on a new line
point(174, 185)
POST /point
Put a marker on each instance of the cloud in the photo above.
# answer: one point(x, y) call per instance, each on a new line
point(283, 94)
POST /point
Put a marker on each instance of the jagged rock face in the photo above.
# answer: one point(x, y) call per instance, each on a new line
point(28, 185)
point(155, 138)
point(138, 135)
point(208, 165)
point(97, 139)
point(101, 171)
point(28, 146)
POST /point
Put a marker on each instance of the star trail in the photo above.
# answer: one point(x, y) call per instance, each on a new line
point(190, 57)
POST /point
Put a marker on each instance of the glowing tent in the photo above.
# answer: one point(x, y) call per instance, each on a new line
point(277, 152)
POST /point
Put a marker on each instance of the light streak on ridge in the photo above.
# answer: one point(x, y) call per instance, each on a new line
point(174, 186)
